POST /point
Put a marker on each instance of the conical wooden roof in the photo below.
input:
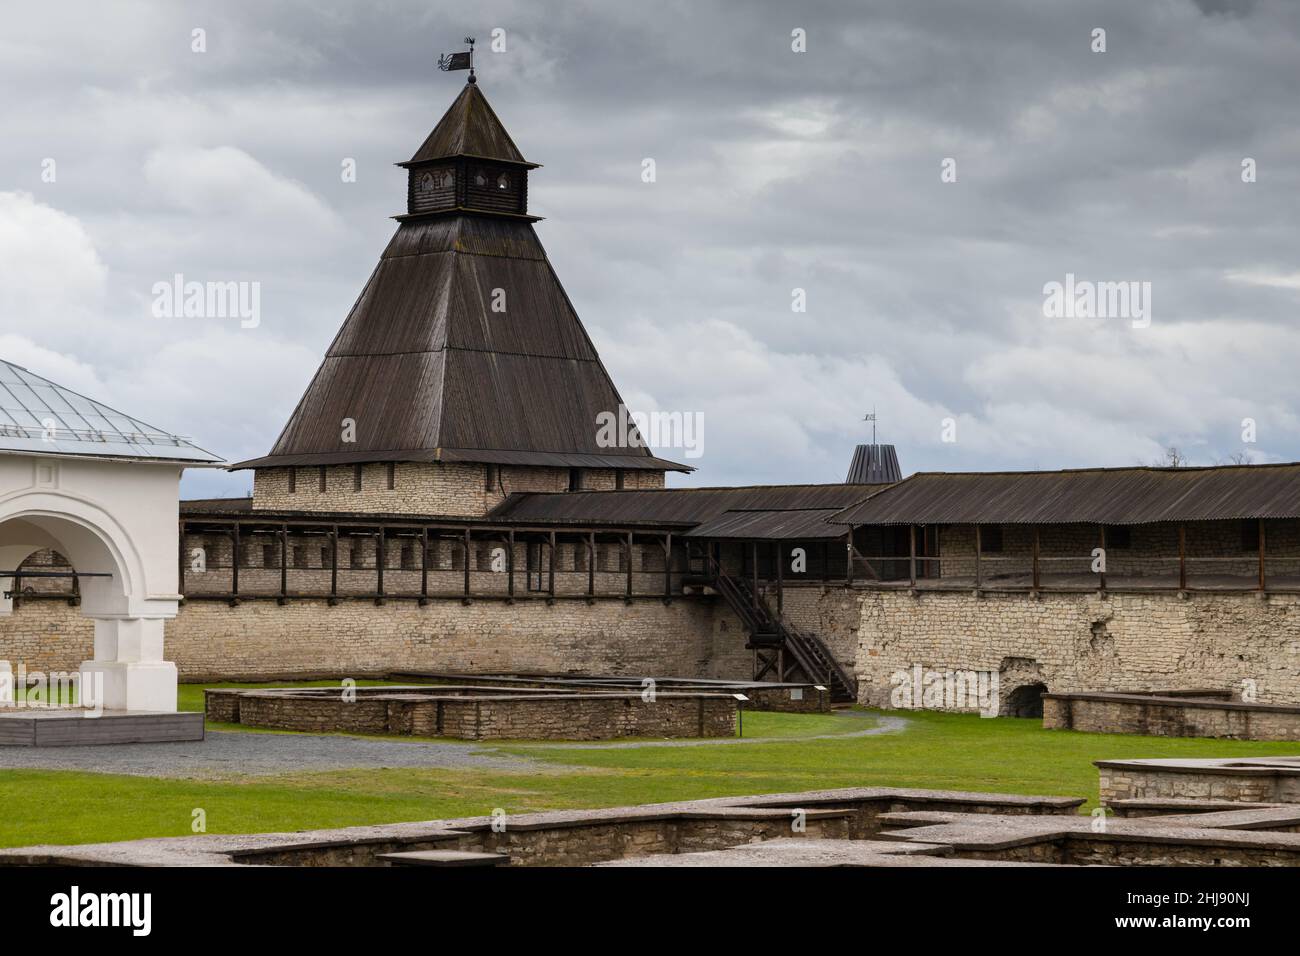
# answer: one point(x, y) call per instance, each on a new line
point(470, 127)
point(429, 371)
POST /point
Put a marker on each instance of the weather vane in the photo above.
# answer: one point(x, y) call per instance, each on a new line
point(459, 61)
point(871, 417)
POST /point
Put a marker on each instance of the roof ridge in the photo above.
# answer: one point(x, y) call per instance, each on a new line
point(1172, 469)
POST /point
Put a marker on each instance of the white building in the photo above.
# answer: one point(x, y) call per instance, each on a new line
point(102, 489)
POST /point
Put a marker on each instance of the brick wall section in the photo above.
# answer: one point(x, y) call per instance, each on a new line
point(433, 488)
point(1076, 643)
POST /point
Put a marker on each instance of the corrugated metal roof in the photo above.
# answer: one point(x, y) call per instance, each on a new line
point(39, 417)
point(1120, 496)
point(219, 505)
point(874, 465)
point(798, 525)
point(470, 127)
point(672, 506)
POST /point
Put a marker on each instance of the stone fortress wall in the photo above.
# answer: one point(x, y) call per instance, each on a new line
point(461, 489)
point(1079, 642)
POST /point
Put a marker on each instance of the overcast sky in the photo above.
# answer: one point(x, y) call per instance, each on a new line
point(776, 170)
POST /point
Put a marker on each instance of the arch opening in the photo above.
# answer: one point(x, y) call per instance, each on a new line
point(1026, 701)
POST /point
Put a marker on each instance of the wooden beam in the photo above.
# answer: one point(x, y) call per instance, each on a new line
point(550, 580)
point(629, 564)
point(848, 558)
point(380, 548)
point(591, 564)
point(284, 561)
point(334, 562)
point(1262, 581)
point(979, 548)
point(911, 554)
point(780, 578)
point(510, 563)
point(180, 559)
point(1101, 537)
point(826, 562)
point(466, 563)
point(668, 566)
point(234, 564)
point(754, 554)
point(1182, 556)
point(424, 562)
point(1035, 557)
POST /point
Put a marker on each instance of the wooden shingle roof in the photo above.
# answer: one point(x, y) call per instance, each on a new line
point(429, 372)
point(470, 127)
point(463, 346)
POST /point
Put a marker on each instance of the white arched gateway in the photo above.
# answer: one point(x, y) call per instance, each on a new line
point(101, 489)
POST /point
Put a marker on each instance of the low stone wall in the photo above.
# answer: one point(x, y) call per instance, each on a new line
point(475, 713)
point(787, 698)
point(584, 837)
point(1159, 716)
point(1240, 781)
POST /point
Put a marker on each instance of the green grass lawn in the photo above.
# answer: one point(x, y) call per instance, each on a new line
point(940, 751)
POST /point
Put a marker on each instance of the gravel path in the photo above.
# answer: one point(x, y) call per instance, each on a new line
point(235, 753)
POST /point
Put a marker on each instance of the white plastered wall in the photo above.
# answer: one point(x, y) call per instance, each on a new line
point(114, 518)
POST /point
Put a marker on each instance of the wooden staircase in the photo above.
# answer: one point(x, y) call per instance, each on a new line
point(779, 648)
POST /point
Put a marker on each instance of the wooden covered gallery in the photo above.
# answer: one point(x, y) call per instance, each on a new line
point(631, 544)
point(1222, 528)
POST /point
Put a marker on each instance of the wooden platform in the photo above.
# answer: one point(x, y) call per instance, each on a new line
point(34, 727)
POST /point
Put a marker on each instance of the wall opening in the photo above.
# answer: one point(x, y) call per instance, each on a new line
point(1026, 701)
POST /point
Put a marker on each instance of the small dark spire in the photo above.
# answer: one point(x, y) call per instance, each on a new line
point(873, 464)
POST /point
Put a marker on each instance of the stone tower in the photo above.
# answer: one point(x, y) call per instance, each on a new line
point(462, 373)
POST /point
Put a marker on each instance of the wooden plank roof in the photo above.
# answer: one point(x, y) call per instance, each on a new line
point(429, 372)
point(470, 127)
point(1119, 496)
point(463, 345)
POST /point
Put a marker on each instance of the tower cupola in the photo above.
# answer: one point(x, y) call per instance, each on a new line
point(468, 164)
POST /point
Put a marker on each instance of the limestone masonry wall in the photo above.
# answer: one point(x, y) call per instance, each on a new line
point(597, 716)
point(832, 613)
point(463, 489)
point(263, 639)
point(1083, 642)
point(210, 640)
